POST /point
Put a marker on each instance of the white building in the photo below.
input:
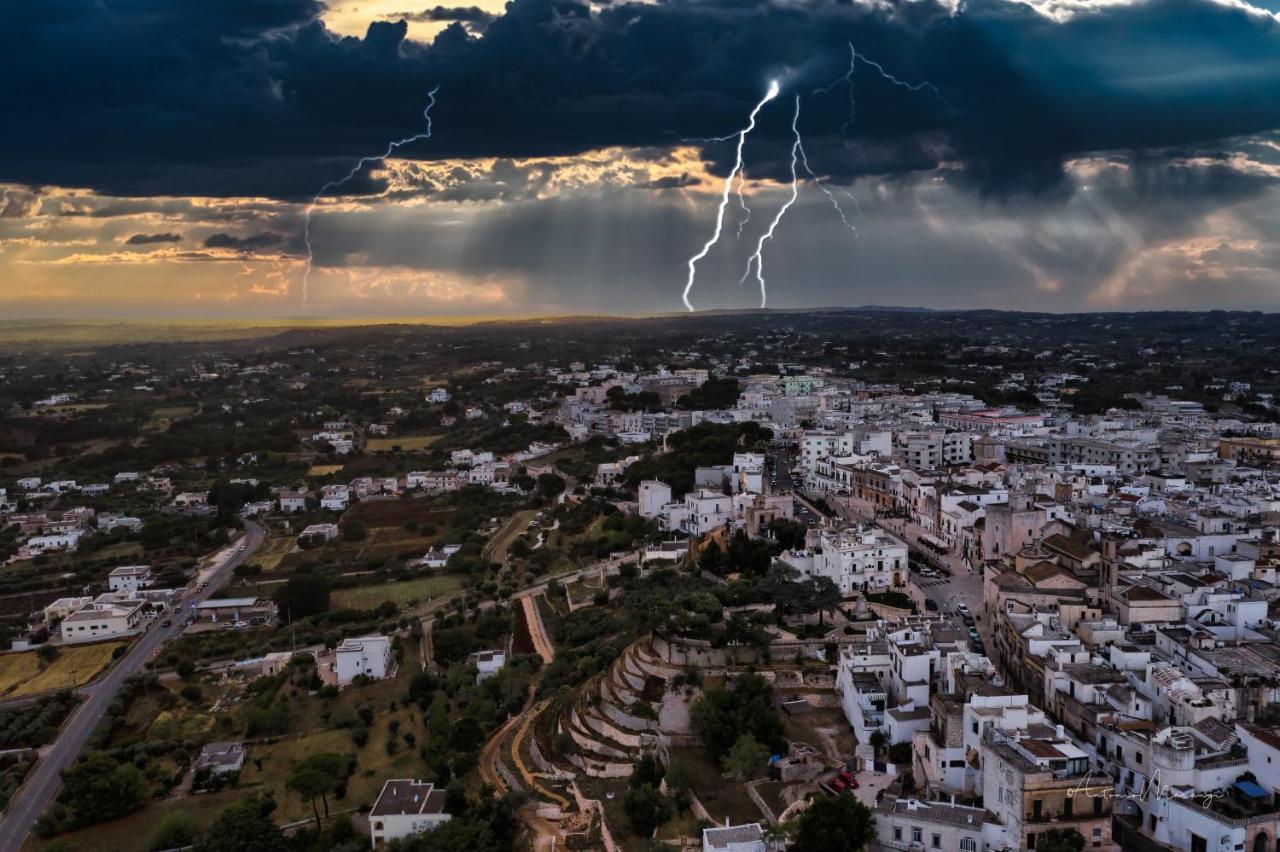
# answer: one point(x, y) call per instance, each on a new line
point(335, 497)
point(129, 578)
point(734, 838)
point(488, 663)
point(858, 558)
point(363, 655)
point(912, 824)
point(102, 620)
point(653, 495)
point(293, 501)
point(319, 533)
point(405, 807)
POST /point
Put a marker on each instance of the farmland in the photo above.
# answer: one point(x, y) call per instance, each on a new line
point(407, 443)
point(421, 589)
point(24, 673)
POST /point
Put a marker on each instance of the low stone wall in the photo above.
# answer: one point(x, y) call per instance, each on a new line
point(700, 653)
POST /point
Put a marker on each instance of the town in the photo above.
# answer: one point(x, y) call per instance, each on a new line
point(808, 580)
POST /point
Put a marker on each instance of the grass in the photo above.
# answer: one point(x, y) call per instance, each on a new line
point(373, 765)
point(272, 551)
point(120, 550)
point(368, 597)
point(24, 674)
point(323, 469)
point(408, 443)
point(721, 798)
point(497, 547)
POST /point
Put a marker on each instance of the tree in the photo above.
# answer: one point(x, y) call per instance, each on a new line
point(315, 777)
point(821, 594)
point(245, 826)
point(302, 596)
point(680, 784)
point(720, 716)
point(176, 830)
point(745, 757)
point(1061, 840)
point(98, 789)
point(833, 824)
point(646, 809)
point(647, 770)
point(877, 741)
point(711, 557)
point(550, 485)
point(354, 531)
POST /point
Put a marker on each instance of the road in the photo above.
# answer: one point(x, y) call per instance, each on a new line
point(41, 785)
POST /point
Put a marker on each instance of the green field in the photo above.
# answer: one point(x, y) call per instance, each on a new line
point(421, 589)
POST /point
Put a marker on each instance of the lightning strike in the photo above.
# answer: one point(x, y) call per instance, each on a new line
point(757, 258)
point(728, 188)
point(392, 147)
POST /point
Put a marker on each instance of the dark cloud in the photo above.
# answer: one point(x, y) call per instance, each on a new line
point(256, 242)
point(469, 14)
point(15, 203)
point(671, 182)
point(151, 239)
point(257, 98)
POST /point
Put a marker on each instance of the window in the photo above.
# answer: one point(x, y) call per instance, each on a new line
point(1067, 806)
point(916, 834)
point(897, 832)
point(1097, 806)
point(1031, 840)
point(968, 844)
point(1036, 807)
point(937, 841)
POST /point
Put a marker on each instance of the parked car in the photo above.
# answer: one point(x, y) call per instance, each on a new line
point(967, 619)
point(962, 608)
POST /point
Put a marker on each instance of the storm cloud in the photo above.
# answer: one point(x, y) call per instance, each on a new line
point(258, 98)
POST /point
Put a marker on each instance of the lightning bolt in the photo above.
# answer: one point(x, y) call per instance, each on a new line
point(797, 150)
point(392, 147)
point(847, 79)
point(728, 188)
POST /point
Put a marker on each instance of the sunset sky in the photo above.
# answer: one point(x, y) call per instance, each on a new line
point(159, 157)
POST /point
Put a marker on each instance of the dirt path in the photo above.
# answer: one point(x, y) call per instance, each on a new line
point(496, 549)
point(537, 630)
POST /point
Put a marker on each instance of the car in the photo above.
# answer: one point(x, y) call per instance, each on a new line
point(973, 634)
point(168, 622)
point(967, 619)
point(962, 608)
point(240, 625)
point(240, 549)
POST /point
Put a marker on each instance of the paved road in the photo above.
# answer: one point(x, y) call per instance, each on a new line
point(42, 784)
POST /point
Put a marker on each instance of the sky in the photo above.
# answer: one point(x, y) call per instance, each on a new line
point(187, 160)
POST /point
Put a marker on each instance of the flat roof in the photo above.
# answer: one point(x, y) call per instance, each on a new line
point(218, 603)
point(407, 796)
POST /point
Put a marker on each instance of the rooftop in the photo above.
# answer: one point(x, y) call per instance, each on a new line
point(406, 796)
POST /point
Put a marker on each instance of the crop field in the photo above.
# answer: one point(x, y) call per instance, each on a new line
point(23, 673)
point(408, 443)
point(420, 589)
point(397, 513)
point(323, 469)
point(272, 551)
